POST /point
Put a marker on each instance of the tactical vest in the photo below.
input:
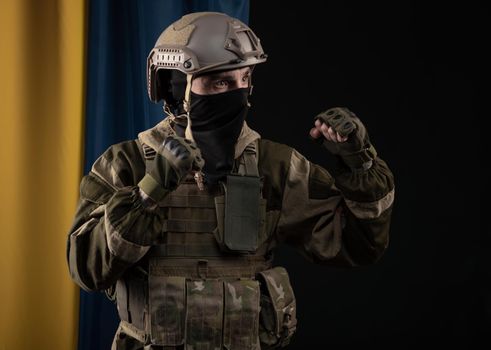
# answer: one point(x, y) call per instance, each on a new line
point(208, 282)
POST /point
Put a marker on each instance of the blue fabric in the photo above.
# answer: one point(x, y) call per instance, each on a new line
point(121, 34)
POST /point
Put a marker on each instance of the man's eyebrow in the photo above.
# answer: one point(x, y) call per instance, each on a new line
point(222, 75)
point(225, 75)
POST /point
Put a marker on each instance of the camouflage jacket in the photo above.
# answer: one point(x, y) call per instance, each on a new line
point(340, 220)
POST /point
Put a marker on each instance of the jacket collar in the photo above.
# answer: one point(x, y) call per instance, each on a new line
point(155, 136)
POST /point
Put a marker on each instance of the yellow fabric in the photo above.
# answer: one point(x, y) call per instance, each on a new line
point(41, 109)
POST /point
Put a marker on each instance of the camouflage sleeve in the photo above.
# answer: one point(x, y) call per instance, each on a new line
point(339, 221)
point(113, 228)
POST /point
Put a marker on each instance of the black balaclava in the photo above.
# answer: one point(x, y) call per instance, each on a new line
point(216, 123)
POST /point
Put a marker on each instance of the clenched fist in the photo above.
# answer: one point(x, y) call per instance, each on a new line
point(183, 154)
point(344, 134)
point(175, 158)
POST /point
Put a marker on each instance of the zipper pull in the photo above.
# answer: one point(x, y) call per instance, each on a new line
point(198, 177)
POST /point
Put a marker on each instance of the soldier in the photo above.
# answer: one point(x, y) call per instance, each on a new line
point(179, 225)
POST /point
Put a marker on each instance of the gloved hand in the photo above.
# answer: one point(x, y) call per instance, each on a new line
point(345, 136)
point(174, 159)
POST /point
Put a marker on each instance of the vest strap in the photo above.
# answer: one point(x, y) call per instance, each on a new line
point(216, 267)
point(248, 161)
point(123, 300)
point(134, 332)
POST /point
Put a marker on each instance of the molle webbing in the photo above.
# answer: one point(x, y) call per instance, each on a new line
point(174, 225)
point(187, 201)
point(223, 268)
point(191, 220)
point(186, 249)
point(194, 292)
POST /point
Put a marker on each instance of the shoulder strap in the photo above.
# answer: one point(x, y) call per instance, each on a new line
point(248, 160)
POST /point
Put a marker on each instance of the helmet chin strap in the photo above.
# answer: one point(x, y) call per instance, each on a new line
point(250, 88)
point(187, 106)
point(198, 175)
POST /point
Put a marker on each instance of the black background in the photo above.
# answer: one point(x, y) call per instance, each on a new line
point(410, 72)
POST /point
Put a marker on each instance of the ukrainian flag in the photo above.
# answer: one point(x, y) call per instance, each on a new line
point(72, 83)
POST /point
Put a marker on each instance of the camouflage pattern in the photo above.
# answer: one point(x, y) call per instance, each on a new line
point(240, 329)
point(278, 298)
point(204, 316)
point(167, 309)
point(340, 220)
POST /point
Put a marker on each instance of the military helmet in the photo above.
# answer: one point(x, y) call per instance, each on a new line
point(201, 42)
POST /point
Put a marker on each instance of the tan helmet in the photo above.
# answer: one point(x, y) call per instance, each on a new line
point(201, 42)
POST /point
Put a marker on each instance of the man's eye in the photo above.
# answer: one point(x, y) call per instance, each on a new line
point(221, 83)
